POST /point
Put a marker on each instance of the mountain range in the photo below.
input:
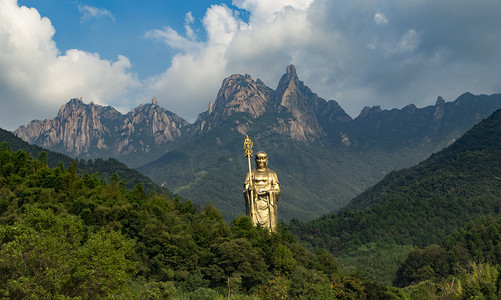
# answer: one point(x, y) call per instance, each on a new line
point(323, 157)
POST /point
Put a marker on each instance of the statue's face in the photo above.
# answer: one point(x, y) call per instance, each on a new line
point(261, 160)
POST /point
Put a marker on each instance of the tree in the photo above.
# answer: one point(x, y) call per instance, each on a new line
point(283, 260)
point(236, 261)
point(45, 255)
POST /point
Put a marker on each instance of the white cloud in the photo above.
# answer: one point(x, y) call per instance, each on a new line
point(195, 74)
point(266, 11)
point(188, 20)
point(380, 18)
point(35, 79)
point(89, 12)
point(173, 39)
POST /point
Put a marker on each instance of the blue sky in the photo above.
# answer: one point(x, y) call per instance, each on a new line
point(357, 52)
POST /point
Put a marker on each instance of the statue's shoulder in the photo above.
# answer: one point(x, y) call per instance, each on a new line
point(271, 171)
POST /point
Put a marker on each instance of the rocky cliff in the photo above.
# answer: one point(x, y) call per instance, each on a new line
point(90, 130)
point(77, 128)
point(145, 126)
point(301, 104)
point(238, 94)
point(297, 112)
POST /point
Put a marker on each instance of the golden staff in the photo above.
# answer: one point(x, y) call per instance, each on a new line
point(248, 153)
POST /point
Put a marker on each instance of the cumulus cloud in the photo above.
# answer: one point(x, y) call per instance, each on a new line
point(196, 73)
point(36, 79)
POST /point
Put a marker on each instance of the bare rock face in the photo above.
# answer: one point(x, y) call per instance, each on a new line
point(148, 124)
point(303, 105)
point(90, 130)
point(439, 109)
point(238, 94)
point(297, 112)
point(76, 129)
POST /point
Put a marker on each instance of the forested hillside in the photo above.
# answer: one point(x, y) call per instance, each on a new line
point(416, 206)
point(76, 237)
point(466, 265)
point(104, 168)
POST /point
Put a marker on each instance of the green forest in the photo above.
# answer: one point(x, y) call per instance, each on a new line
point(391, 231)
point(68, 236)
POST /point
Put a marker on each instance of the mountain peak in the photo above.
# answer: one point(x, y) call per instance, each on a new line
point(238, 94)
point(369, 111)
point(291, 71)
point(302, 103)
point(440, 101)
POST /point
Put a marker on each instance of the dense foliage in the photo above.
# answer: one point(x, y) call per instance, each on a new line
point(103, 168)
point(466, 264)
point(68, 236)
point(421, 205)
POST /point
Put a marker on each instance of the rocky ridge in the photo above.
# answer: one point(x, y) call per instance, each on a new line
point(91, 130)
point(297, 111)
point(76, 129)
point(238, 94)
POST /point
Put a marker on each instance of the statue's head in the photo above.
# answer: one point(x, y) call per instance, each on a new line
point(261, 160)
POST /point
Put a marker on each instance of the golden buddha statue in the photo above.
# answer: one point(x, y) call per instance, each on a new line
point(261, 194)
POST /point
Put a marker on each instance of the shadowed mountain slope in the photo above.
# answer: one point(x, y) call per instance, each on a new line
point(422, 204)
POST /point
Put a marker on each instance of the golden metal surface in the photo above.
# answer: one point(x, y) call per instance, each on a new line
point(248, 147)
point(261, 190)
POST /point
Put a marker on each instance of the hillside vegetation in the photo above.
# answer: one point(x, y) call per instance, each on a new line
point(415, 207)
point(72, 236)
point(103, 168)
point(68, 236)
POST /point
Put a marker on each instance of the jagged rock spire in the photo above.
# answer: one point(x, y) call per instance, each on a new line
point(238, 94)
point(302, 103)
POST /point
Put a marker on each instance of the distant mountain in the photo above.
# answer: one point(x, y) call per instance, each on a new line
point(293, 110)
point(322, 156)
point(91, 131)
point(103, 168)
point(420, 205)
